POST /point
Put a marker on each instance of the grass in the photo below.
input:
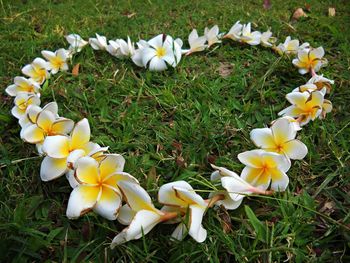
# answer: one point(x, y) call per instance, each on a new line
point(170, 125)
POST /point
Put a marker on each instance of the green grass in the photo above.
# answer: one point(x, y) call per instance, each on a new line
point(146, 116)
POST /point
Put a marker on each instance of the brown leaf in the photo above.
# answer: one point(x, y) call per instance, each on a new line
point(299, 12)
point(75, 70)
point(225, 69)
point(267, 4)
point(331, 11)
point(177, 145)
point(225, 220)
point(180, 161)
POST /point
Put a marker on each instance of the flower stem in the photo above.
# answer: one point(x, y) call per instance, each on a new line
point(313, 73)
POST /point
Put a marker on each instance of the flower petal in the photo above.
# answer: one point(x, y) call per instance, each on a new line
point(282, 131)
point(196, 230)
point(279, 180)
point(142, 223)
point(32, 134)
point(262, 138)
point(109, 203)
point(52, 168)
point(82, 199)
point(126, 214)
point(295, 149)
point(167, 195)
point(180, 232)
point(251, 158)
point(87, 170)
point(110, 164)
point(56, 146)
point(80, 134)
point(62, 126)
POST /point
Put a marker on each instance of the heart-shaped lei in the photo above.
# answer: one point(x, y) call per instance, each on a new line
point(97, 177)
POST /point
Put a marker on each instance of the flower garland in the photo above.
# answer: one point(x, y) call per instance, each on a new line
point(97, 177)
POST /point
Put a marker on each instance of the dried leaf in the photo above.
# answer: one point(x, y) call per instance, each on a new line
point(75, 70)
point(180, 161)
point(225, 220)
point(267, 4)
point(225, 69)
point(331, 11)
point(298, 13)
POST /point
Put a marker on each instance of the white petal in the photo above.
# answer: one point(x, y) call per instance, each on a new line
point(180, 232)
point(142, 223)
point(32, 134)
point(167, 195)
point(108, 204)
point(251, 158)
point(157, 41)
point(80, 134)
point(52, 168)
point(262, 138)
point(196, 230)
point(157, 64)
point(82, 199)
point(280, 184)
point(283, 131)
point(295, 150)
point(71, 178)
point(126, 214)
point(56, 146)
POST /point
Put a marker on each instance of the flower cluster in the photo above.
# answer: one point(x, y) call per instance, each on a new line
point(97, 177)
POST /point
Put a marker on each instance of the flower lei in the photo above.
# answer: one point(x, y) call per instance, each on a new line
point(97, 177)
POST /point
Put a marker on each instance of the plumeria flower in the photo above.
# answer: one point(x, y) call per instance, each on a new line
point(120, 48)
point(267, 40)
point(263, 168)
point(308, 87)
point(196, 43)
point(235, 32)
point(98, 43)
point(212, 35)
point(76, 43)
point(62, 151)
point(33, 111)
point(327, 107)
point(137, 56)
point(280, 138)
point(57, 61)
point(22, 84)
point(305, 106)
point(162, 50)
point(236, 188)
point(139, 213)
point(294, 123)
point(180, 196)
point(98, 187)
point(22, 101)
point(251, 38)
point(37, 70)
point(290, 46)
point(321, 82)
point(47, 124)
point(310, 60)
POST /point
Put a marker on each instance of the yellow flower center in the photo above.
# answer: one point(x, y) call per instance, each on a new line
point(160, 52)
point(57, 62)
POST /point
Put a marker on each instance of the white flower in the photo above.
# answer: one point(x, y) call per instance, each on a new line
point(98, 186)
point(37, 70)
point(310, 60)
point(235, 32)
point(236, 188)
point(266, 39)
point(137, 56)
point(33, 111)
point(22, 84)
point(98, 43)
point(288, 47)
point(263, 168)
point(120, 48)
point(139, 213)
point(305, 106)
point(162, 50)
point(22, 101)
point(180, 196)
point(212, 35)
point(280, 138)
point(76, 43)
point(62, 151)
point(56, 60)
point(196, 43)
point(321, 82)
point(46, 124)
point(251, 38)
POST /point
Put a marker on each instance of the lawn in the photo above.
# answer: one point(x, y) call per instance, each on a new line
point(170, 125)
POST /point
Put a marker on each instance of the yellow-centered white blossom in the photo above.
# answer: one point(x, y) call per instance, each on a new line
point(305, 106)
point(265, 168)
point(37, 70)
point(57, 61)
point(22, 84)
point(280, 138)
point(310, 60)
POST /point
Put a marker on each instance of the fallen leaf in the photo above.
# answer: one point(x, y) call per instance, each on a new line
point(331, 11)
point(75, 70)
point(180, 161)
point(267, 4)
point(225, 69)
point(299, 12)
point(225, 219)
